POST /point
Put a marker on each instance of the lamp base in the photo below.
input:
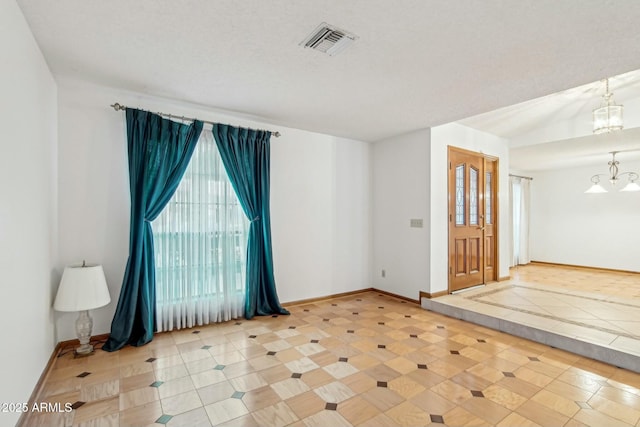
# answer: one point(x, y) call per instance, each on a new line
point(84, 324)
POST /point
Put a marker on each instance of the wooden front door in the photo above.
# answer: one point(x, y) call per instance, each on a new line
point(472, 219)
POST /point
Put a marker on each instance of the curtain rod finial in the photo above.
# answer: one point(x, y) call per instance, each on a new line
point(118, 106)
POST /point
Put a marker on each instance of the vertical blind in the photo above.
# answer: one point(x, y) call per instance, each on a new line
point(200, 243)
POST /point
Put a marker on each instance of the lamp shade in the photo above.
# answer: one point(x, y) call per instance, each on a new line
point(596, 188)
point(82, 288)
point(607, 119)
point(631, 186)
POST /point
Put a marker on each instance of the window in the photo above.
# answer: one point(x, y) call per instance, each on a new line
point(200, 246)
point(460, 211)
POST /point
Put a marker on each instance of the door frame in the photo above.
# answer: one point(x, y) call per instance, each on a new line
point(495, 206)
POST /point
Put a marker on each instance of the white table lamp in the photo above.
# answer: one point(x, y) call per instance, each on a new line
point(82, 288)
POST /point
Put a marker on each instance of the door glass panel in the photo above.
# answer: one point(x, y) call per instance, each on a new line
point(487, 198)
point(460, 195)
point(473, 196)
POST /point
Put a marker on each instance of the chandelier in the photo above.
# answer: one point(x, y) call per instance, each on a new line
point(607, 117)
point(614, 176)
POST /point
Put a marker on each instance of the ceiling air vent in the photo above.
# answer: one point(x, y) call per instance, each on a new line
point(329, 39)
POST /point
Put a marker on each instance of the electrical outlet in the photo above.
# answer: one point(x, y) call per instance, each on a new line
point(415, 223)
point(384, 273)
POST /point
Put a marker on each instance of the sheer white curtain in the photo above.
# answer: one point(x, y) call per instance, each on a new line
point(200, 246)
point(519, 191)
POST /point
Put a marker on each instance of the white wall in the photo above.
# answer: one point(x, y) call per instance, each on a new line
point(410, 181)
point(401, 191)
point(470, 139)
point(570, 227)
point(320, 190)
point(27, 209)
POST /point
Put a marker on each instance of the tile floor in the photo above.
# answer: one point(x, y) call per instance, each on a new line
point(364, 360)
point(594, 307)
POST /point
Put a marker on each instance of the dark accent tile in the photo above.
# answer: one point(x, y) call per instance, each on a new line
point(382, 346)
point(534, 359)
point(413, 336)
point(325, 320)
point(271, 353)
point(205, 347)
point(219, 367)
point(509, 374)
point(403, 302)
point(407, 315)
point(238, 323)
point(237, 395)
point(296, 375)
point(164, 419)
point(334, 305)
point(381, 323)
point(382, 384)
point(252, 336)
point(480, 340)
point(84, 374)
point(422, 366)
point(156, 384)
point(292, 327)
point(331, 406)
point(355, 313)
point(454, 352)
point(437, 419)
point(306, 310)
point(343, 359)
point(350, 331)
point(381, 308)
point(440, 327)
point(275, 315)
point(151, 360)
point(358, 299)
point(77, 404)
point(315, 341)
point(477, 393)
point(197, 332)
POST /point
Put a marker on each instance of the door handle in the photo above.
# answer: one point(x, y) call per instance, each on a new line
point(480, 228)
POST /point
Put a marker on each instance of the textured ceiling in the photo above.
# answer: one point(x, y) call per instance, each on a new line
point(416, 64)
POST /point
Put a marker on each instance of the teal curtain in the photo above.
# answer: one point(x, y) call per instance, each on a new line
point(159, 152)
point(246, 155)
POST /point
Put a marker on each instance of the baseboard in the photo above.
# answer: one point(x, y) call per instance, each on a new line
point(391, 294)
point(35, 394)
point(326, 297)
point(585, 267)
point(429, 295)
point(37, 391)
point(504, 278)
point(346, 294)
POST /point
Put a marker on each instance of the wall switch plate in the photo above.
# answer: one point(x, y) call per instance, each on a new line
point(384, 273)
point(415, 222)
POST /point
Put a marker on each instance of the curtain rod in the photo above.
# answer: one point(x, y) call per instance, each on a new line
point(120, 107)
point(523, 177)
